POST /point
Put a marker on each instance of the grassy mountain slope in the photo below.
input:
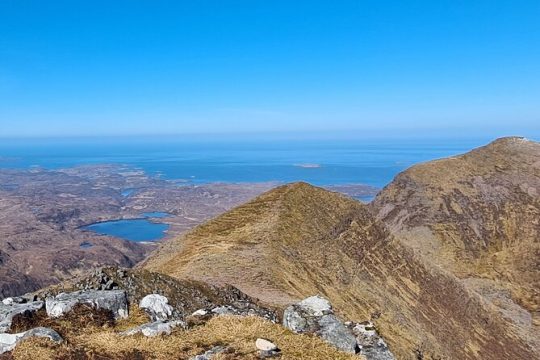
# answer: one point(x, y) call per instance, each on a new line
point(298, 240)
point(478, 216)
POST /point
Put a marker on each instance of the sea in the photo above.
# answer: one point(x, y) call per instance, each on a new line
point(367, 161)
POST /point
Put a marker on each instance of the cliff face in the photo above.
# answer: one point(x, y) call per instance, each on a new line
point(298, 240)
point(477, 216)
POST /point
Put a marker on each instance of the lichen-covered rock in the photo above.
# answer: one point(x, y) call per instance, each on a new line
point(157, 307)
point(8, 342)
point(113, 300)
point(371, 345)
point(9, 309)
point(315, 315)
point(210, 354)
point(243, 311)
point(154, 328)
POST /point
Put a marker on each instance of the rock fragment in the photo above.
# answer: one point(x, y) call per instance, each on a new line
point(371, 344)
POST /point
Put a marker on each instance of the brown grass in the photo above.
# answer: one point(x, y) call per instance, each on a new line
point(297, 240)
point(238, 334)
point(80, 317)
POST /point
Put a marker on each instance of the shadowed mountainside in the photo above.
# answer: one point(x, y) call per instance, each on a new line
point(298, 240)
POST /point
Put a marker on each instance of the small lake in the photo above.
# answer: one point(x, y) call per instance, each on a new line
point(130, 229)
point(127, 192)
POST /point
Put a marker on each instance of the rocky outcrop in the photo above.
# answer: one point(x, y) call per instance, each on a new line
point(113, 300)
point(157, 307)
point(8, 309)
point(183, 295)
point(315, 315)
point(8, 342)
point(155, 328)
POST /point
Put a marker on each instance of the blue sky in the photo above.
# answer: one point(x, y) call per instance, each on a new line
point(72, 68)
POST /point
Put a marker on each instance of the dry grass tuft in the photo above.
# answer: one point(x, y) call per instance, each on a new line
point(238, 334)
point(137, 317)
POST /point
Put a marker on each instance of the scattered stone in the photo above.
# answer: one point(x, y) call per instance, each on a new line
point(8, 342)
point(225, 310)
point(267, 348)
point(113, 300)
point(7, 312)
point(209, 355)
point(154, 328)
point(157, 307)
point(200, 312)
point(263, 354)
point(315, 315)
point(265, 345)
point(371, 345)
point(244, 311)
point(121, 273)
point(7, 301)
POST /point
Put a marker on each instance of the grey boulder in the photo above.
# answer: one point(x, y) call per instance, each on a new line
point(8, 342)
point(157, 307)
point(371, 344)
point(315, 315)
point(155, 328)
point(113, 300)
point(9, 309)
point(210, 354)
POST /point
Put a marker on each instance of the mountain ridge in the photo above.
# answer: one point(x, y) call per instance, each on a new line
point(298, 240)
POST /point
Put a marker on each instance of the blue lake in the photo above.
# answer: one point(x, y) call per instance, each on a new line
point(130, 229)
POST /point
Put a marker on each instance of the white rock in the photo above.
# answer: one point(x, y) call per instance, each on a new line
point(8, 342)
point(200, 312)
point(7, 312)
point(265, 345)
point(157, 306)
point(113, 300)
point(316, 305)
point(7, 301)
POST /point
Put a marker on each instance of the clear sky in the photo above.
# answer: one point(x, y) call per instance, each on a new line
point(151, 67)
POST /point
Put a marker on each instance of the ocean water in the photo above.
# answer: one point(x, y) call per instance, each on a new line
point(321, 162)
